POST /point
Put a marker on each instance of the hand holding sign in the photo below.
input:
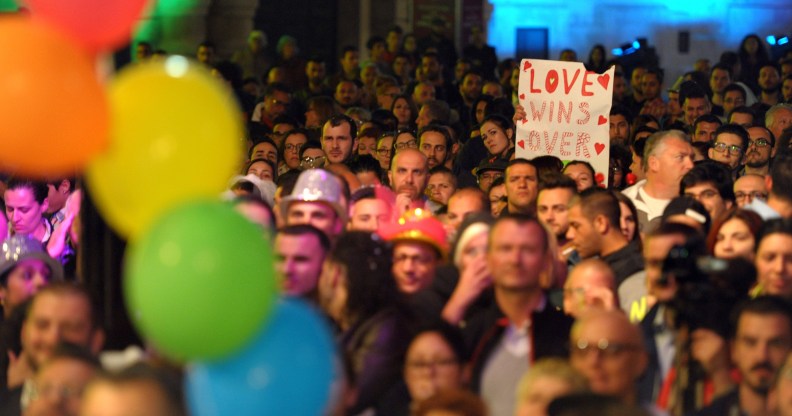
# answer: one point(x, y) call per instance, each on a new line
point(565, 112)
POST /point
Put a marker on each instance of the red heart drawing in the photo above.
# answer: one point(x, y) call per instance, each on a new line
point(522, 96)
point(599, 177)
point(604, 80)
point(526, 65)
point(599, 147)
point(521, 143)
point(602, 120)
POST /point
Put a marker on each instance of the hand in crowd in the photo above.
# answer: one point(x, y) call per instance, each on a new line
point(473, 280)
point(519, 113)
point(655, 108)
point(19, 369)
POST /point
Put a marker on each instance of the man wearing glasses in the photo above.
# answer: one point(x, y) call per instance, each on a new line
point(277, 98)
point(608, 350)
point(729, 146)
point(748, 187)
point(761, 147)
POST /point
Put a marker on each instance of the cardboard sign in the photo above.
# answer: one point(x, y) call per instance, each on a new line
point(567, 110)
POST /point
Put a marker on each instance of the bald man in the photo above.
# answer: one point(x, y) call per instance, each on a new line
point(408, 177)
point(608, 350)
point(748, 187)
point(590, 285)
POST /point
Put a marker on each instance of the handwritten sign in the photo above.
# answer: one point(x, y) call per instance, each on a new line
point(567, 111)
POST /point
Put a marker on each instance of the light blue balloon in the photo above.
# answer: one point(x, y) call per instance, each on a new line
point(288, 369)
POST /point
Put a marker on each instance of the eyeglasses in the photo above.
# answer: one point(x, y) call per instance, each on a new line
point(760, 143)
point(412, 144)
point(606, 348)
point(732, 149)
point(293, 147)
point(424, 365)
point(484, 177)
point(46, 390)
point(705, 194)
point(750, 195)
point(308, 162)
point(383, 151)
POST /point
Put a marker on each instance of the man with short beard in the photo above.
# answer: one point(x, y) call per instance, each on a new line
point(770, 83)
point(720, 77)
point(761, 147)
point(434, 141)
point(408, 176)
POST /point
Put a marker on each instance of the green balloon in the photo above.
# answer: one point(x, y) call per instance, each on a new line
point(8, 6)
point(200, 282)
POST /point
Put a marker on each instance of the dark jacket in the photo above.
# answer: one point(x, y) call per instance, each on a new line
point(549, 337)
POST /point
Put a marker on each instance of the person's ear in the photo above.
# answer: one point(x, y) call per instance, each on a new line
point(653, 163)
point(64, 187)
point(601, 224)
point(97, 341)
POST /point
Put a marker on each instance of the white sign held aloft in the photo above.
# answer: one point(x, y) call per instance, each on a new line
point(567, 110)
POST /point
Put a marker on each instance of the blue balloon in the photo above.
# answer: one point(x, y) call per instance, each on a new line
point(289, 369)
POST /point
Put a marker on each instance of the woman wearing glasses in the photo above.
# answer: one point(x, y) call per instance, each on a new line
point(384, 150)
point(293, 141)
point(404, 139)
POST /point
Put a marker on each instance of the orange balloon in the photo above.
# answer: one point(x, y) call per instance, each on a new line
point(53, 110)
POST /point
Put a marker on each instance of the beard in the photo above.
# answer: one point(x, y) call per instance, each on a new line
point(756, 162)
point(771, 91)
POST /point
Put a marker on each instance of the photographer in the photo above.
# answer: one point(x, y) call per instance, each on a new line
point(762, 339)
point(684, 330)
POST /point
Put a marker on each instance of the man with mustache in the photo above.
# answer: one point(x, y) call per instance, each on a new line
point(435, 142)
point(762, 340)
point(761, 148)
point(408, 176)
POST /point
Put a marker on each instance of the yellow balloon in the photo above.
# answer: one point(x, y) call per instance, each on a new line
point(176, 135)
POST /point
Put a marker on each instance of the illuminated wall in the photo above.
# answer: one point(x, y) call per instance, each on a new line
point(714, 26)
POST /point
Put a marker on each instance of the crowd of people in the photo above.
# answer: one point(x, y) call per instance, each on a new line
point(458, 277)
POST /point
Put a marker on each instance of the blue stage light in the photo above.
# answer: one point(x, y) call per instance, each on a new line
point(618, 52)
point(771, 40)
point(636, 44)
point(783, 41)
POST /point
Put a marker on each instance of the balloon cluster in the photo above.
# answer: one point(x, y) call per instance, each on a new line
point(157, 144)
